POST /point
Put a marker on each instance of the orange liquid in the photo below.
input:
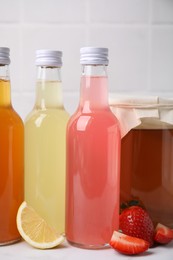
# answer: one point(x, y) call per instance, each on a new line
point(147, 171)
point(11, 166)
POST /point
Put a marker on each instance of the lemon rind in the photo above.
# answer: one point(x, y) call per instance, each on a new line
point(44, 245)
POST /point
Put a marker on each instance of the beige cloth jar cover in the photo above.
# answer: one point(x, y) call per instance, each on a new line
point(149, 112)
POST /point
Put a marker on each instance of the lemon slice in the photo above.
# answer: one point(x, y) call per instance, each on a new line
point(35, 230)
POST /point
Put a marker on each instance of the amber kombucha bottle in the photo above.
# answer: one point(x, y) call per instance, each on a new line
point(11, 156)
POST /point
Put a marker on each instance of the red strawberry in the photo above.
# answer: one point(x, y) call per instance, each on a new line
point(163, 234)
point(128, 245)
point(136, 222)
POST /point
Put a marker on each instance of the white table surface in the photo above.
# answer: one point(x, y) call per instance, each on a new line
point(23, 251)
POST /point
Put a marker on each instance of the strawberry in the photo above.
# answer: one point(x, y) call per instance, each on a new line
point(136, 222)
point(163, 234)
point(132, 202)
point(128, 245)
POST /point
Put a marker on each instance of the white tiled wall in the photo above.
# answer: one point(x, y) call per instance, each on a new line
point(138, 33)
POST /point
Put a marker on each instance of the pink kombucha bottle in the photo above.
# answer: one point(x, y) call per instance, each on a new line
point(93, 158)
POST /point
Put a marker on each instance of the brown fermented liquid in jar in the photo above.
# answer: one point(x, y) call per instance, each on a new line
point(147, 171)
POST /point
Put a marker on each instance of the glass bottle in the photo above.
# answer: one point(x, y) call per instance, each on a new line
point(11, 156)
point(93, 158)
point(45, 131)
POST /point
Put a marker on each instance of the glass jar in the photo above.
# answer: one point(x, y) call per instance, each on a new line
point(147, 154)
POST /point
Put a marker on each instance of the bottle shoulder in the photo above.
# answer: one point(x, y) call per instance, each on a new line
point(102, 118)
point(8, 116)
point(100, 113)
point(47, 115)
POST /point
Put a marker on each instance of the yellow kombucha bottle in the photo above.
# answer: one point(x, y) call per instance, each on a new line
point(45, 135)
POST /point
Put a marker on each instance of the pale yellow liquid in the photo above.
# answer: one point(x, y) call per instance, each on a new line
point(45, 134)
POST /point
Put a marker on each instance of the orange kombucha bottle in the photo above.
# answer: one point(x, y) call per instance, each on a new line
point(11, 157)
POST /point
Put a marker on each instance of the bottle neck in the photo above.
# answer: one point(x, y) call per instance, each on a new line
point(5, 90)
point(48, 88)
point(94, 88)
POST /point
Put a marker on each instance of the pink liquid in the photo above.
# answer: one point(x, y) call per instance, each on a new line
point(93, 154)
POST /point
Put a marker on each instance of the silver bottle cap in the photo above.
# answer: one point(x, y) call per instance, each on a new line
point(94, 56)
point(4, 56)
point(48, 58)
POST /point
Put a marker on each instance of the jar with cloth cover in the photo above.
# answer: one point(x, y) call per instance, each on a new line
point(146, 153)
